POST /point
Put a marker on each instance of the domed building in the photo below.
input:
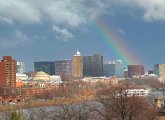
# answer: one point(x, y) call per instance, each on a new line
point(41, 76)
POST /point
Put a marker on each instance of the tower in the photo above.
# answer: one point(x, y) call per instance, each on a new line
point(77, 68)
point(93, 65)
point(8, 72)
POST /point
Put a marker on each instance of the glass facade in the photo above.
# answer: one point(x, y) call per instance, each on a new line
point(113, 70)
point(48, 67)
point(93, 65)
point(64, 69)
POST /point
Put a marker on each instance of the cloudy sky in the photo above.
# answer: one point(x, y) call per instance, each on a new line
point(46, 30)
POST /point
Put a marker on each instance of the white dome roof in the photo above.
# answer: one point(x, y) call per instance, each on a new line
point(41, 76)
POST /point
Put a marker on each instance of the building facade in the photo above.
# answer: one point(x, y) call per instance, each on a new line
point(45, 66)
point(125, 73)
point(64, 69)
point(150, 72)
point(20, 67)
point(159, 70)
point(135, 70)
point(113, 69)
point(77, 66)
point(93, 65)
point(7, 72)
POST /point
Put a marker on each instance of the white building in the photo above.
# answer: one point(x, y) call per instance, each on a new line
point(138, 92)
point(20, 67)
point(20, 76)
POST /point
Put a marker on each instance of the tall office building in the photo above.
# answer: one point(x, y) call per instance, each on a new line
point(159, 70)
point(20, 67)
point(93, 65)
point(7, 72)
point(45, 66)
point(77, 66)
point(135, 70)
point(114, 68)
point(64, 69)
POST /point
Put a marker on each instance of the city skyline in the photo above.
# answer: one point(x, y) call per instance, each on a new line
point(130, 30)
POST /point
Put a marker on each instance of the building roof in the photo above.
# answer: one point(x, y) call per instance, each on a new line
point(41, 73)
point(41, 76)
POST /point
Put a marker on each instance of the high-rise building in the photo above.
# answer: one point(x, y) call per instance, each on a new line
point(7, 72)
point(20, 67)
point(113, 68)
point(77, 66)
point(159, 70)
point(64, 69)
point(93, 65)
point(45, 66)
point(135, 70)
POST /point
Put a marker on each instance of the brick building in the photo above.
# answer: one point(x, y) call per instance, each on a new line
point(135, 70)
point(7, 72)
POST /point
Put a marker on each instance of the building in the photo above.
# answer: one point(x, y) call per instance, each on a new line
point(159, 70)
point(93, 65)
point(45, 66)
point(135, 70)
point(20, 76)
point(20, 67)
point(150, 72)
point(125, 73)
point(64, 69)
point(7, 72)
point(41, 76)
point(77, 66)
point(114, 68)
point(138, 92)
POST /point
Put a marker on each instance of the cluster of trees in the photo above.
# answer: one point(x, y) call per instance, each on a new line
point(110, 103)
point(66, 90)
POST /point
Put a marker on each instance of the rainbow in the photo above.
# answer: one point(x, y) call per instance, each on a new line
point(115, 43)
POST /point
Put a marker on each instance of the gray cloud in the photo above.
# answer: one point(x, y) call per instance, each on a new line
point(19, 10)
point(62, 33)
point(153, 10)
point(68, 12)
point(121, 31)
point(73, 12)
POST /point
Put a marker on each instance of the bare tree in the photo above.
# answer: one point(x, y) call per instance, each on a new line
point(117, 105)
point(36, 114)
point(78, 111)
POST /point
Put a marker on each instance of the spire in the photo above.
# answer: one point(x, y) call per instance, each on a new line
point(78, 53)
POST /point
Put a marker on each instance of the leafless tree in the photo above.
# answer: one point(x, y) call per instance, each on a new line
point(117, 105)
point(5, 115)
point(36, 114)
point(78, 111)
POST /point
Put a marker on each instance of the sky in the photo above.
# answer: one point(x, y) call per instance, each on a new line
point(49, 30)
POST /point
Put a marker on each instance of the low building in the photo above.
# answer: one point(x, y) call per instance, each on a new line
point(21, 76)
point(19, 83)
point(138, 92)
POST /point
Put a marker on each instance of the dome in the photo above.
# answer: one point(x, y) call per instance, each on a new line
point(41, 73)
point(41, 76)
